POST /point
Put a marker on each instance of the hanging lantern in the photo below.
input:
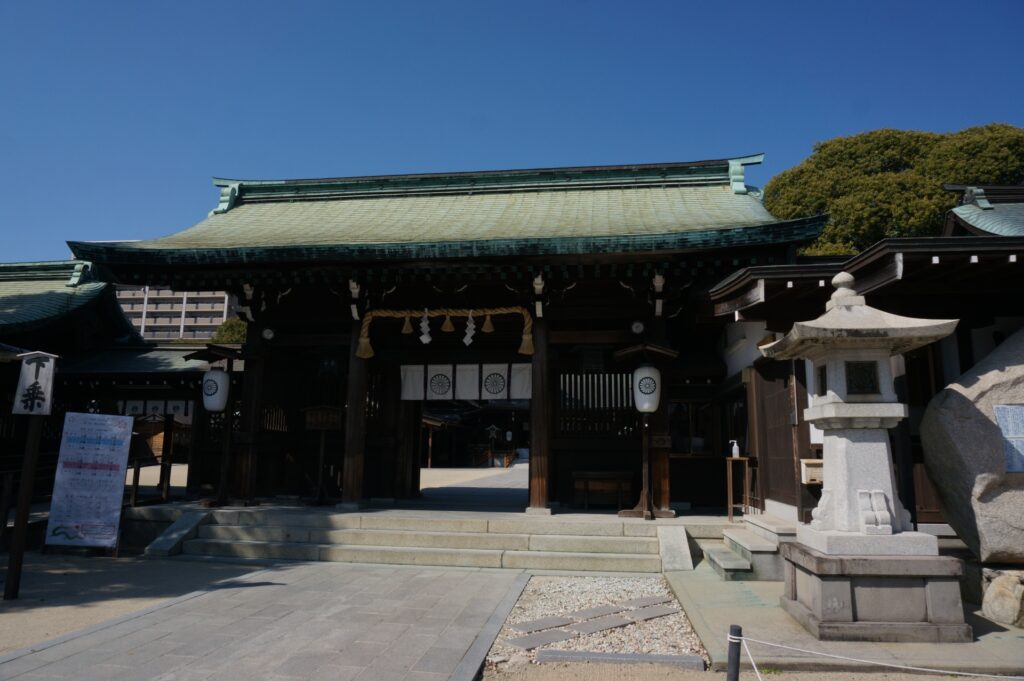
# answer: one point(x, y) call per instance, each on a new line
point(216, 385)
point(646, 389)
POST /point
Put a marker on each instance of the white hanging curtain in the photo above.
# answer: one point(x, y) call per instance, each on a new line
point(467, 381)
point(521, 385)
point(412, 381)
point(440, 382)
point(494, 381)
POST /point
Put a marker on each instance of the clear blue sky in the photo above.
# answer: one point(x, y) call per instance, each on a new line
point(114, 115)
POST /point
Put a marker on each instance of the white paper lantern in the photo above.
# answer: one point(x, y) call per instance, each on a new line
point(646, 389)
point(215, 390)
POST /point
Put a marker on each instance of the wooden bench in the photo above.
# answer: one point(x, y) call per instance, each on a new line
point(617, 483)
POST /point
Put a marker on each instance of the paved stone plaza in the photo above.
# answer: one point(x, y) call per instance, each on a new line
point(309, 621)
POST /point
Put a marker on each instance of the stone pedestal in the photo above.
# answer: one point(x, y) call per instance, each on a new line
point(875, 598)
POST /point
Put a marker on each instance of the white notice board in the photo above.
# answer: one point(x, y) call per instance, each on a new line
point(89, 487)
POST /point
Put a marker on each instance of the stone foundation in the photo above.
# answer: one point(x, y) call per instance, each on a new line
point(875, 598)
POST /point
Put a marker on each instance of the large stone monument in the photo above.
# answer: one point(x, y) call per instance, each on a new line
point(859, 571)
point(973, 437)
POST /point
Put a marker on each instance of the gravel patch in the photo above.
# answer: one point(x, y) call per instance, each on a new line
point(549, 596)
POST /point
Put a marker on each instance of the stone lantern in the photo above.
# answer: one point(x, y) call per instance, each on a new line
point(858, 571)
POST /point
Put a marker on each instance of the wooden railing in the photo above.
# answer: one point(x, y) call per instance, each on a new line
point(595, 404)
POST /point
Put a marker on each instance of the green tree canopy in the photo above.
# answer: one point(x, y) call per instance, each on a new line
point(887, 183)
point(231, 331)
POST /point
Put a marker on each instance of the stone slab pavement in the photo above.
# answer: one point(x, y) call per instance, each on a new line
point(296, 621)
point(712, 604)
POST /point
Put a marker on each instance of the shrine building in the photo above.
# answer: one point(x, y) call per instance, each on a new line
point(491, 306)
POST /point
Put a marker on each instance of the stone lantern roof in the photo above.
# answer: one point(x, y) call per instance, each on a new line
point(850, 323)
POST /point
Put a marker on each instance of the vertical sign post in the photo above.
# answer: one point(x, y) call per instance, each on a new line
point(34, 399)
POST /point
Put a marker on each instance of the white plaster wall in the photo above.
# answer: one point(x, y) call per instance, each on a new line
point(817, 434)
point(740, 345)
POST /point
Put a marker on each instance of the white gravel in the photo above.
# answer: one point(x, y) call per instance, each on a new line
point(548, 596)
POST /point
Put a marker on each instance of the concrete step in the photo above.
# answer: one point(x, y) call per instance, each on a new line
point(451, 540)
point(287, 518)
point(408, 555)
point(738, 538)
point(583, 528)
point(582, 544)
point(576, 562)
point(709, 530)
point(762, 554)
point(729, 565)
point(770, 527)
point(252, 549)
point(441, 540)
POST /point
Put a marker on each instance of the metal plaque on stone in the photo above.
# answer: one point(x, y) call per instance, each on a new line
point(1010, 418)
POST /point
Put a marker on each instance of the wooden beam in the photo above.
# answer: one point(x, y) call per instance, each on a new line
point(352, 489)
point(591, 337)
point(540, 419)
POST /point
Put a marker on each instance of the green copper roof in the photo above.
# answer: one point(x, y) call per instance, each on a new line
point(1004, 219)
point(703, 204)
point(36, 293)
point(146, 360)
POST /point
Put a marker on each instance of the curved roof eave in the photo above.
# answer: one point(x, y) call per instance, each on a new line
point(789, 231)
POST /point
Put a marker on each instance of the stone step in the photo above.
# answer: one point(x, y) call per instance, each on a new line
point(409, 555)
point(583, 528)
point(770, 527)
point(441, 540)
point(589, 562)
point(394, 555)
point(748, 542)
point(452, 540)
point(584, 544)
point(287, 518)
point(726, 563)
point(708, 530)
point(762, 554)
point(252, 549)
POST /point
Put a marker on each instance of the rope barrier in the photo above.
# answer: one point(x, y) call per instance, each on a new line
point(744, 639)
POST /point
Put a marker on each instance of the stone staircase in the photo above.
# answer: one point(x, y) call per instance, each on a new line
point(750, 552)
point(504, 540)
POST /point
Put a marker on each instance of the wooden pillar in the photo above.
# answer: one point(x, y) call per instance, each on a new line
point(408, 462)
point(540, 420)
point(12, 581)
point(167, 458)
point(660, 434)
point(352, 486)
point(252, 411)
point(661, 446)
point(227, 438)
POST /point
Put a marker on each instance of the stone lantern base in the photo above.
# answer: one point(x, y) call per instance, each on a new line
point(875, 598)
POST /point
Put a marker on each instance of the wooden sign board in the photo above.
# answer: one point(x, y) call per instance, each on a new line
point(35, 385)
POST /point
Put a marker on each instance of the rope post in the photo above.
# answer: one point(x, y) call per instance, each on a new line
point(735, 636)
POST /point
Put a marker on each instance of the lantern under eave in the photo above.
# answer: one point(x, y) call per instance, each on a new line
point(216, 387)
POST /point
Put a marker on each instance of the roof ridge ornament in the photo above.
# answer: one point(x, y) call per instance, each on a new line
point(228, 198)
point(81, 273)
point(976, 195)
point(737, 178)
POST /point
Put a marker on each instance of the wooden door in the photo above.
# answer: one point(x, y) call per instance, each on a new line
point(778, 397)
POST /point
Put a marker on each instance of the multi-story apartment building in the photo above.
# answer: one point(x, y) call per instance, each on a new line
point(162, 314)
